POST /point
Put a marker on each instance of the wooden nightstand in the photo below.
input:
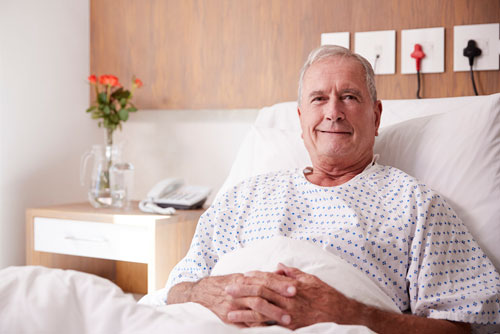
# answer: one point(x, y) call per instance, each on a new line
point(135, 250)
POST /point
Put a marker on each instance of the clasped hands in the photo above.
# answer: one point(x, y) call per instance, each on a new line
point(287, 297)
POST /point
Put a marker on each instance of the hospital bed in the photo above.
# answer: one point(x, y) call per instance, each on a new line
point(452, 144)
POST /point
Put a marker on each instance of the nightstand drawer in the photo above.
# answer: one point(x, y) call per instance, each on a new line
point(91, 239)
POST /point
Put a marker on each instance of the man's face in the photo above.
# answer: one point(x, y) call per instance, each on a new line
point(338, 118)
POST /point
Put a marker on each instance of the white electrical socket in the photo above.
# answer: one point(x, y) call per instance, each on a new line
point(383, 43)
point(487, 39)
point(432, 42)
point(335, 38)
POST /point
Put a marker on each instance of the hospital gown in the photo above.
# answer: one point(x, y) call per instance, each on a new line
point(397, 231)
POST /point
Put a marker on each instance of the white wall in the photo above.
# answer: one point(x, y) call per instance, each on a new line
point(44, 63)
point(196, 145)
point(44, 130)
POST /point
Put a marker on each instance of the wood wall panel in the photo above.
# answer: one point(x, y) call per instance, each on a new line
point(197, 54)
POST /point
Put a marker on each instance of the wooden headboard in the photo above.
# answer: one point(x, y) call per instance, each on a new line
point(218, 54)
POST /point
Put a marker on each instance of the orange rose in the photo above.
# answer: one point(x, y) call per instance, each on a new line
point(108, 79)
point(104, 79)
point(138, 82)
point(92, 79)
point(113, 81)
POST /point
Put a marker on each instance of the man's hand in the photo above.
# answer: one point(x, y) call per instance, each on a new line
point(314, 301)
point(215, 293)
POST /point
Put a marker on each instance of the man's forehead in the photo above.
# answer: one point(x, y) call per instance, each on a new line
point(338, 63)
point(346, 72)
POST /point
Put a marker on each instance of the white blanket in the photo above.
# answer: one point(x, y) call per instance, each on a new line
point(265, 255)
point(42, 300)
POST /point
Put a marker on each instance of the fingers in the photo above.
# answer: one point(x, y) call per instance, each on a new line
point(259, 311)
point(282, 285)
point(252, 319)
point(289, 271)
point(244, 301)
point(294, 273)
point(256, 290)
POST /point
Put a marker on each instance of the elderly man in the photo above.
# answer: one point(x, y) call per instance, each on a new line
point(377, 218)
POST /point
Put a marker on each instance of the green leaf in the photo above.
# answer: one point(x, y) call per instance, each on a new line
point(126, 94)
point(91, 108)
point(132, 109)
point(114, 118)
point(121, 94)
point(102, 98)
point(123, 102)
point(117, 93)
point(123, 113)
point(99, 124)
point(106, 110)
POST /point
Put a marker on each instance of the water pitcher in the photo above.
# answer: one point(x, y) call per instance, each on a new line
point(103, 157)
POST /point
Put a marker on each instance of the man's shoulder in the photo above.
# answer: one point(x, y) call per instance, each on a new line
point(389, 177)
point(268, 179)
point(283, 173)
point(379, 171)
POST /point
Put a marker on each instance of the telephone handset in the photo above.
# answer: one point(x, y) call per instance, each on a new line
point(170, 194)
point(164, 187)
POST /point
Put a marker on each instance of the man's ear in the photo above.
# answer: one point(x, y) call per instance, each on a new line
point(377, 109)
point(300, 114)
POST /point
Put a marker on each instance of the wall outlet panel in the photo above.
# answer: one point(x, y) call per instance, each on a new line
point(372, 43)
point(487, 37)
point(432, 41)
point(335, 38)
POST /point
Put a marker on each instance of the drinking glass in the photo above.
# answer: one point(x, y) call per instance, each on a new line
point(122, 184)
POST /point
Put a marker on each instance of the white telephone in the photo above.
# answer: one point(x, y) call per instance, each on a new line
point(170, 194)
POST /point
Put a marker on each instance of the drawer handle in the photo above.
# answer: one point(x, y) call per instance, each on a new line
point(86, 239)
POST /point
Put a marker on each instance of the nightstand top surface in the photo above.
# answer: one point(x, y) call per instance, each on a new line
point(86, 208)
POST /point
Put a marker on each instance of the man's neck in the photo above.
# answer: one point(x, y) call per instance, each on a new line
point(330, 174)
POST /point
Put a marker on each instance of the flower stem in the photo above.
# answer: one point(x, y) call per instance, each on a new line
point(108, 88)
point(109, 136)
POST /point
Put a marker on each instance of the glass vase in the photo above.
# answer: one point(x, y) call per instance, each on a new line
point(103, 157)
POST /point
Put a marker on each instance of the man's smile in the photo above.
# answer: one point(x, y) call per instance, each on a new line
point(336, 132)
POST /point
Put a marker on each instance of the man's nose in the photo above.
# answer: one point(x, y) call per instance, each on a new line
point(334, 111)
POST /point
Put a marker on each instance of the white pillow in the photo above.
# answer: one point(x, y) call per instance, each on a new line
point(273, 143)
point(265, 150)
point(455, 151)
point(396, 111)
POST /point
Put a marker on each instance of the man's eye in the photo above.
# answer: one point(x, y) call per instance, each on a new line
point(318, 98)
point(350, 97)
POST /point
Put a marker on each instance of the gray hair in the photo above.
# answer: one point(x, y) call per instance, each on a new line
point(326, 51)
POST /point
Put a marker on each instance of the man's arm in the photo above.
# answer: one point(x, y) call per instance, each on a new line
point(315, 301)
point(387, 322)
